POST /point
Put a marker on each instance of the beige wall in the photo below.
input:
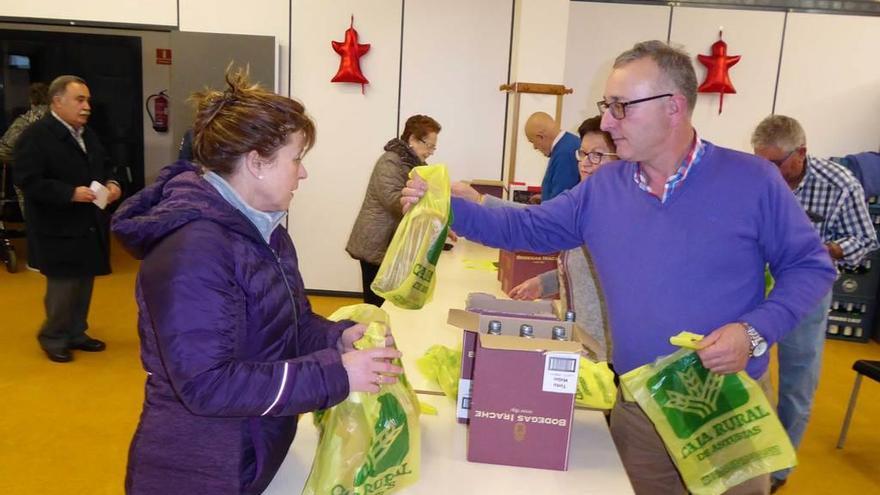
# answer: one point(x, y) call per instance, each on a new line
point(352, 128)
point(829, 82)
point(154, 12)
point(827, 77)
point(539, 40)
point(753, 76)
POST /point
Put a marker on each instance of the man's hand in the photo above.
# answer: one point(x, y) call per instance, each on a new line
point(465, 191)
point(83, 194)
point(353, 333)
point(726, 349)
point(834, 250)
point(413, 192)
point(115, 192)
point(526, 291)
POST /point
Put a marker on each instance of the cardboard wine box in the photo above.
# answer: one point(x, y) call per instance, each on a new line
point(515, 267)
point(523, 401)
point(484, 308)
point(491, 187)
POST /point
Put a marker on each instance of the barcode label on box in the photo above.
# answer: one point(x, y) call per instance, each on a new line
point(562, 364)
point(560, 372)
point(465, 387)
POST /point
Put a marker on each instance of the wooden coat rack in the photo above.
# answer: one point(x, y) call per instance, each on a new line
point(519, 88)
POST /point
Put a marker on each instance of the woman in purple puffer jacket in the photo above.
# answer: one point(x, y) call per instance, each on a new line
point(231, 347)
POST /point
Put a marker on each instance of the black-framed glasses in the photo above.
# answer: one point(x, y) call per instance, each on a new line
point(430, 146)
point(594, 157)
point(618, 108)
point(779, 162)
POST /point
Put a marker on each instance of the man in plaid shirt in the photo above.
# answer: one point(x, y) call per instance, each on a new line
point(835, 202)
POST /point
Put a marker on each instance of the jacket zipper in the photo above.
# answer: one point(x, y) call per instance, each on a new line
point(286, 283)
point(290, 295)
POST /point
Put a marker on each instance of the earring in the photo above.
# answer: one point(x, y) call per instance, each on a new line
point(260, 177)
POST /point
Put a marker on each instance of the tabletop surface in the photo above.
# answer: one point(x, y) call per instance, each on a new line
point(594, 466)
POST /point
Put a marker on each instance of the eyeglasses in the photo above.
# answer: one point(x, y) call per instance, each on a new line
point(779, 162)
point(430, 146)
point(594, 157)
point(618, 108)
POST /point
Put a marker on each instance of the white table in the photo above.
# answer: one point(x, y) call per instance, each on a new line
point(416, 330)
point(594, 466)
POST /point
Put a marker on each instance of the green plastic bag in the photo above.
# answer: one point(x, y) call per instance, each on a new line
point(369, 443)
point(719, 429)
point(442, 365)
point(406, 276)
point(595, 386)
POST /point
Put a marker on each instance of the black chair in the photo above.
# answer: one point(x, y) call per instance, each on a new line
point(863, 367)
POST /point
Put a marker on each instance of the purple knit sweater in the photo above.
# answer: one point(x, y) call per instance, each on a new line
point(694, 263)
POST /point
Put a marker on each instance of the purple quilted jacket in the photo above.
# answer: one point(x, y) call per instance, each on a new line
point(231, 347)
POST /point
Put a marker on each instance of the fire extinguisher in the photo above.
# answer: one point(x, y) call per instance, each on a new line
point(161, 114)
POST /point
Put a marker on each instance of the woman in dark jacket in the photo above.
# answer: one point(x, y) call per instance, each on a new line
point(380, 212)
point(231, 347)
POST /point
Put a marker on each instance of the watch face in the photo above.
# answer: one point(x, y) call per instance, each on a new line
point(760, 349)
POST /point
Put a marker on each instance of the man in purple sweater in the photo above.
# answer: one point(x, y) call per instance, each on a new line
point(680, 231)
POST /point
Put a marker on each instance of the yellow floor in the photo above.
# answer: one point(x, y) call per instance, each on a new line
point(65, 428)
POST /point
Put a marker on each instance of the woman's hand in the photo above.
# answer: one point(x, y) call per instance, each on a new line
point(413, 192)
point(369, 368)
point(349, 336)
point(526, 291)
point(354, 333)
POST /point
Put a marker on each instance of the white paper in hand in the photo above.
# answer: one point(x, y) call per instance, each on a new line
point(101, 194)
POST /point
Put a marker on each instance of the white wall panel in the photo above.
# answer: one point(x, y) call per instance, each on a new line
point(753, 77)
point(538, 57)
point(155, 12)
point(260, 17)
point(595, 38)
point(451, 69)
point(830, 81)
point(352, 129)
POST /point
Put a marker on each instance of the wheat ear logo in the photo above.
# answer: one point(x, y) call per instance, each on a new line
point(701, 395)
point(690, 396)
point(390, 444)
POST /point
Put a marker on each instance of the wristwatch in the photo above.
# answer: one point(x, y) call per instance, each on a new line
point(757, 344)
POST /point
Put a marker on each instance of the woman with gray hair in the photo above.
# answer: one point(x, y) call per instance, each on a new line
point(380, 213)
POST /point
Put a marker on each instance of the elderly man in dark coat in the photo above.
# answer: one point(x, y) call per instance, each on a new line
point(56, 160)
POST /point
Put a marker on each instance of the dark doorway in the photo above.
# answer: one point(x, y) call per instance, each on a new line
point(111, 66)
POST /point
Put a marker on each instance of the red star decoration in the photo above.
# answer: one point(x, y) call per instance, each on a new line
point(717, 66)
point(350, 52)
